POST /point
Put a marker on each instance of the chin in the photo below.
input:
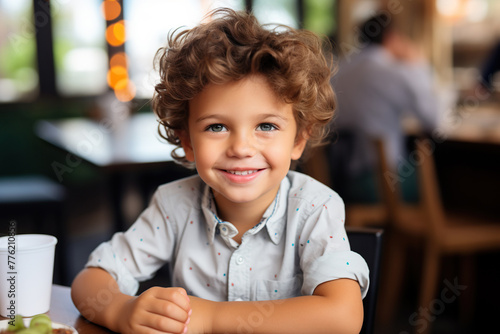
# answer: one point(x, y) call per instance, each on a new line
point(238, 199)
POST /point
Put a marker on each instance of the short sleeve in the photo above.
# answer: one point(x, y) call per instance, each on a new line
point(326, 253)
point(135, 255)
point(104, 257)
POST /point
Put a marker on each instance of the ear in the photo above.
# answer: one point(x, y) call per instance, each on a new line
point(300, 145)
point(186, 144)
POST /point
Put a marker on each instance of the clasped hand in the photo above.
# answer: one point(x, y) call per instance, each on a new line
point(157, 310)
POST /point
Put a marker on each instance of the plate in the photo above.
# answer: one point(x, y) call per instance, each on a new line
point(55, 325)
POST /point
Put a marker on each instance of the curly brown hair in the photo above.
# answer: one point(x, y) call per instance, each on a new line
point(232, 46)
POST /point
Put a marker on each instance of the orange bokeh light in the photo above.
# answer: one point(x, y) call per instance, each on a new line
point(118, 59)
point(110, 9)
point(115, 33)
point(125, 90)
point(115, 75)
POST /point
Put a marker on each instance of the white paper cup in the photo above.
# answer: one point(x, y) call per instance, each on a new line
point(26, 270)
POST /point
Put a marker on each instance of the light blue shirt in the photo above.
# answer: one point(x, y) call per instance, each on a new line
point(299, 243)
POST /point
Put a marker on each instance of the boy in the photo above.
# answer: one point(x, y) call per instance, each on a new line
point(252, 247)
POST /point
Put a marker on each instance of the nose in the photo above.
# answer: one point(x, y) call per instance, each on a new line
point(242, 145)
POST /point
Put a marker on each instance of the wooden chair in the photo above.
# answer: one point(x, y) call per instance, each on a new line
point(448, 232)
point(367, 242)
point(442, 233)
point(405, 223)
point(366, 215)
point(338, 156)
point(404, 216)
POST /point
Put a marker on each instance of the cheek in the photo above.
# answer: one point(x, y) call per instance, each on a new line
point(204, 153)
point(278, 153)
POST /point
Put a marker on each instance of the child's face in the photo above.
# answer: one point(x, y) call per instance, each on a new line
point(242, 140)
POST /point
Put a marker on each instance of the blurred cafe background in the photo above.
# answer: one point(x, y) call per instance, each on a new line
point(80, 154)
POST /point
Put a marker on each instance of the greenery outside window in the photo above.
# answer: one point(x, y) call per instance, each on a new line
point(18, 73)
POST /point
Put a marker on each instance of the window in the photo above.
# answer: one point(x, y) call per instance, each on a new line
point(320, 16)
point(18, 74)
point(80, 56)
point(148, 23)
point(75, 60)
point(280, 11)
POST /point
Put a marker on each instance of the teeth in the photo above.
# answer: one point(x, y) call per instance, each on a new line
point(242, 172)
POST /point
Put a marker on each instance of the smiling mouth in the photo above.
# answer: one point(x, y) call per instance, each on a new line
point(242, 172)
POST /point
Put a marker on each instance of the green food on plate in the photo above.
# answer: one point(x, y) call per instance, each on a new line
point(16, 324)
point(39, 324)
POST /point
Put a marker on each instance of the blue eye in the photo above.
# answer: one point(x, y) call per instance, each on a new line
point(267, 127)
point(216, 128)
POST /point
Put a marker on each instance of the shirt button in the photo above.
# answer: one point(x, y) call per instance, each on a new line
point(239, 260)
point(224, 230)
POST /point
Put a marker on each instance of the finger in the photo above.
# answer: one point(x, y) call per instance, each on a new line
point(177, 296)
point(170, 310)
point(164, 324)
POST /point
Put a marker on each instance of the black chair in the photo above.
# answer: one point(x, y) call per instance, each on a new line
point(42, 200)
point(367, 242)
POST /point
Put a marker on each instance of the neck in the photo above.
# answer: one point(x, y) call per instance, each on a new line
point(243, 216)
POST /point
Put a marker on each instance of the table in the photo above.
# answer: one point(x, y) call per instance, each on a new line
point(467, 149)
point(129, 143)
point(116, 147)
point(474, 125)
point(63, 311)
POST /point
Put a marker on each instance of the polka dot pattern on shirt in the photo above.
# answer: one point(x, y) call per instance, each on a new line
point(211, 275)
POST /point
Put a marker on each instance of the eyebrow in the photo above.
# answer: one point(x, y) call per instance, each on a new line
point(274, 116)
point(262, 116)
point(203, 118)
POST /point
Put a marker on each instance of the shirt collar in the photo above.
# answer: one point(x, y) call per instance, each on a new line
point(209, 212)
point(274, 217)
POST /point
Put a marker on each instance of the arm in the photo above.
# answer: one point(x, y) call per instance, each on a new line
point(335, 307)
point(96, 295)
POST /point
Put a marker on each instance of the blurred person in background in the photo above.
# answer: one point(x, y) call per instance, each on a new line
point(376, 87)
